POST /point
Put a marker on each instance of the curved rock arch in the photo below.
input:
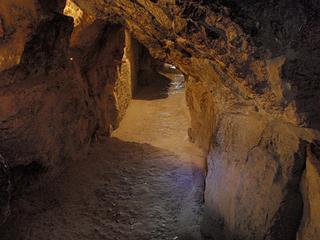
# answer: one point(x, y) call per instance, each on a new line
point(253, 90)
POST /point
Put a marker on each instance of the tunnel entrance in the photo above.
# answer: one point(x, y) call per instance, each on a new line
point(158, 111)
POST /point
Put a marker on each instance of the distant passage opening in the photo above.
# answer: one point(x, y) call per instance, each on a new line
point(157, 113)
point(168, 170)
point(158, 80)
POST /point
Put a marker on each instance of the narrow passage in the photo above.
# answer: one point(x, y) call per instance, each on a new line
point(143, 183)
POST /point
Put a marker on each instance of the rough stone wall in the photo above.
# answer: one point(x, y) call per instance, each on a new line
point(18, 19)
point(289, 30)
point(186, 31)
point(310, 188)
point(72, 10)
point(202, 111)
point(61, 94)
point(253, 64)
point(243, 58)
point(4, 190)
point(247, 205)
point(147, 67)
point(108, 58)
point(101, 71)
point(44, 117)
point(128, 75)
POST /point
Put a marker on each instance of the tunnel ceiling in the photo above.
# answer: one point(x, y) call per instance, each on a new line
point(257, 51)
point(247, 53)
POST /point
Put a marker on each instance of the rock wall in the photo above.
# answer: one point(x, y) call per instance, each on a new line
point(252, 90)
point(247, 205)
point(16, 17)
point(244, 58)
point(4, 190)
point(108, 57)
point(201, 105)
point(310, 188)
point(65, 87)
point(99, 63)
point(128, 74)
point(18, 20)
point(44, 115)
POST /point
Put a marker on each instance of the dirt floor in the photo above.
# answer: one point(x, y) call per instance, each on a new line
point(146, 182)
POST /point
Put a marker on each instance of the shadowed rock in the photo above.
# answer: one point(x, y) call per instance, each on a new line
point(4, 190)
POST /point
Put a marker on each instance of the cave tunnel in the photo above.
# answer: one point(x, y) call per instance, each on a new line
point(160, 120)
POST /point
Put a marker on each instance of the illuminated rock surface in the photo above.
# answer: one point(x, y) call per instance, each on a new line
point(252, 88)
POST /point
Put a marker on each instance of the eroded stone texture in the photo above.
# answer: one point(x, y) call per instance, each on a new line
point(242, 57)
point(72, 10)
point(57, 99)
point(19, 19)
point(108, 58)
point(310, 188)
point(44, 113)
point(287, 29)
point(15, 16)
point(201, 105)
point(128, 74)
point(237, 48)
point(1, 29)
point(252, 82)
point(4, 190)
point(253, 179)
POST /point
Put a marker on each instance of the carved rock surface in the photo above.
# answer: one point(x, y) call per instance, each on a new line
point(249, 59)
point(4, 190)
point(253, 180)
point(310, 188)
point(252, 86)
point(44, 115)
point(61, 95)
point(18, 21)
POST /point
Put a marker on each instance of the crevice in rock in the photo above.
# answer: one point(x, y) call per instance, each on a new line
point(24, 177)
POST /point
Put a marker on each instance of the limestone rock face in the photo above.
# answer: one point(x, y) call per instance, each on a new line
point(310, 225)
point(4, 190)
point(253, 179)
point(14, 30)
point(250, 47)
point(128, 74)
point(69, 86)
point(57, 99)
point(253, 61)
point(202, 109)
point(252, 90)
point(287, 29)
point(1, 29)
point(44, 113)
point(18, 20)
point(107, 56)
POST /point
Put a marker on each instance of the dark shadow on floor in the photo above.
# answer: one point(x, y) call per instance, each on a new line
point(152, 86)
point(121, 190)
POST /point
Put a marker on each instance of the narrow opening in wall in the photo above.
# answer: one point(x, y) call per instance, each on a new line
point(159, 80)
point(169, 166)
point(157, 112)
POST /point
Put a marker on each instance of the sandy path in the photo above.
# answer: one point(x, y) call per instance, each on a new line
point(143, 183)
